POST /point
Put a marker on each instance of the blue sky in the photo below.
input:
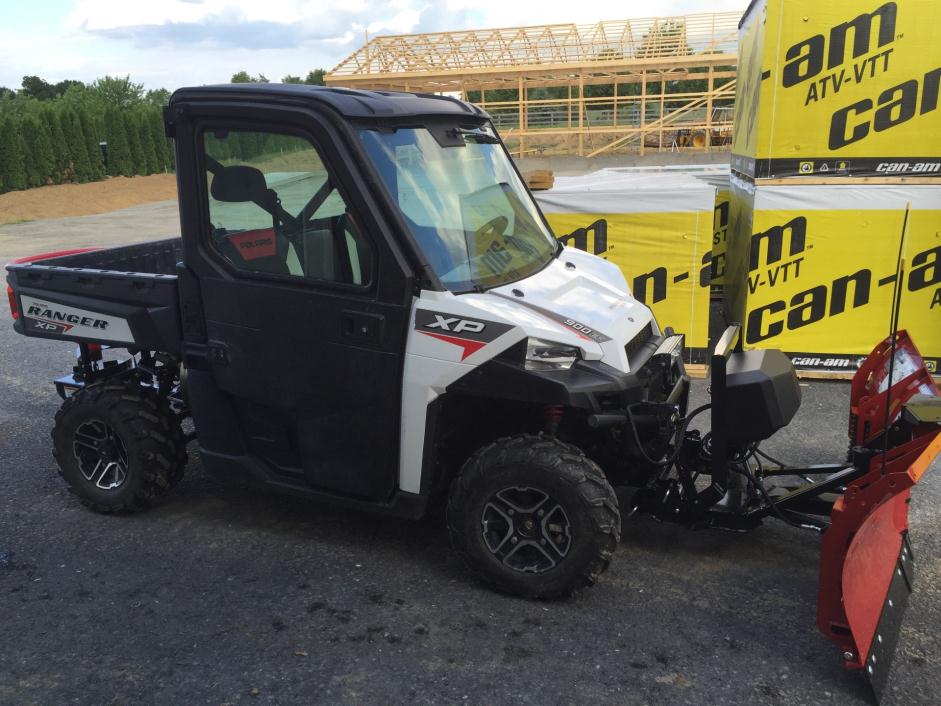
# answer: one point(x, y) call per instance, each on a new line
point(172, 43)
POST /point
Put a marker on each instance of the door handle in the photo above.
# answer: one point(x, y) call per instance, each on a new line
point(361, 327)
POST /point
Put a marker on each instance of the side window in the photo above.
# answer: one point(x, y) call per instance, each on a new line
point(274, 209)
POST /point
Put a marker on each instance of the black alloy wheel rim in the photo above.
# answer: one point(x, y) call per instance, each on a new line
point(525, 529)
point(100, 454)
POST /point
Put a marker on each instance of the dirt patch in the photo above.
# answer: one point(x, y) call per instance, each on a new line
point(67, 200)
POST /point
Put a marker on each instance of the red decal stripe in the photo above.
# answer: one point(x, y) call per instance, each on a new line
point(468, 345)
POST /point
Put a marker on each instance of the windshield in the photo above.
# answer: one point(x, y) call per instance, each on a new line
point(464, 204)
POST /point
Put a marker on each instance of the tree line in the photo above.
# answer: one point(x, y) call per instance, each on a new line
point(73, 132)
point(53, 133)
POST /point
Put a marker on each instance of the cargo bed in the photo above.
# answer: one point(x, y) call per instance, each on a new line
point(124, 296)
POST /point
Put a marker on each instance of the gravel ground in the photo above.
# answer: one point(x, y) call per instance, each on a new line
point(150, 221)
point(224, 595)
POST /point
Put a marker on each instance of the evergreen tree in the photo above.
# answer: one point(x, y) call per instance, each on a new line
point(24, 153)
point(67, 154)
point(60, 151)
point(75, 138)
point(220, 149)
point(41, 162)
point(249, 147)
point(146, 143)
point(138, 166)
point(119, 153)
point(32, 170)
point(91, 131)
point(12, 172)
point(162, 145)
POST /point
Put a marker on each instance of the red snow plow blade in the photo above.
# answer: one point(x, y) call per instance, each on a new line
point(866, 562)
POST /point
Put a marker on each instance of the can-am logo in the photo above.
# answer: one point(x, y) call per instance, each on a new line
point(64, 320)
point(805, 60)
point(823, 299)
point(909, 167)
point(895, 105)
point(831, 363)
point(850, 54)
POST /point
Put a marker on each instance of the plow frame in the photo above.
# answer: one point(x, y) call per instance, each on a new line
point(867, 567)
point(884, 491)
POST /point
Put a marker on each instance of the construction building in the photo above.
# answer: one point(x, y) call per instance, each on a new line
point(637, 85)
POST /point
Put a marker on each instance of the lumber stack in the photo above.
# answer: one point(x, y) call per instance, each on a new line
point(539, 179)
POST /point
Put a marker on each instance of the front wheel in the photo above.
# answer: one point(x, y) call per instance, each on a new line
point(533, 516)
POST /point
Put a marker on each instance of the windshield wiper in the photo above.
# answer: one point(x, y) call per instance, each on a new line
point(480, 137)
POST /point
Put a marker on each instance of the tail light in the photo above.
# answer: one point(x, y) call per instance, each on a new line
point(14, 310)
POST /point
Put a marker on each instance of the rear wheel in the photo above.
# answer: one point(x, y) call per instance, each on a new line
point(534, 517)
point(119, 446)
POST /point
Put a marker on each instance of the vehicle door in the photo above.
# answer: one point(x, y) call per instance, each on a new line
point(306, 302)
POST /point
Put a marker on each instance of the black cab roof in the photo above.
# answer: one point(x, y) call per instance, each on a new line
point(349, 102)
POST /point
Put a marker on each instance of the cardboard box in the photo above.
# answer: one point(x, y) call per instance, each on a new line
point(811, 269)
point(838, 89)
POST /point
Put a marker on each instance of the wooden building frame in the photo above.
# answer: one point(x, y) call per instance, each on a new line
point(634, 85)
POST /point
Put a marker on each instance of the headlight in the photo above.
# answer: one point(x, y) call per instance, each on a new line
point(547, 355)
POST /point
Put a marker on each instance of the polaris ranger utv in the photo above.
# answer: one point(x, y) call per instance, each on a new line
point(367, 306)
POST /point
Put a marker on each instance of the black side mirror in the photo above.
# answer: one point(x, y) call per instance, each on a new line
point(240, 183)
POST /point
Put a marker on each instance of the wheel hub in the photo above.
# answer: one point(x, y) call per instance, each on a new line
point(526, 529)
point(100, 455)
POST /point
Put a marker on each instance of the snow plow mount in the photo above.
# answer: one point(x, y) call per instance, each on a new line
point(859, 507)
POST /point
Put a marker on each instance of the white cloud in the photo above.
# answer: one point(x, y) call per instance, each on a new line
point(536, 12)
point(179, 42)
point(401, 23)
point(96, 15)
